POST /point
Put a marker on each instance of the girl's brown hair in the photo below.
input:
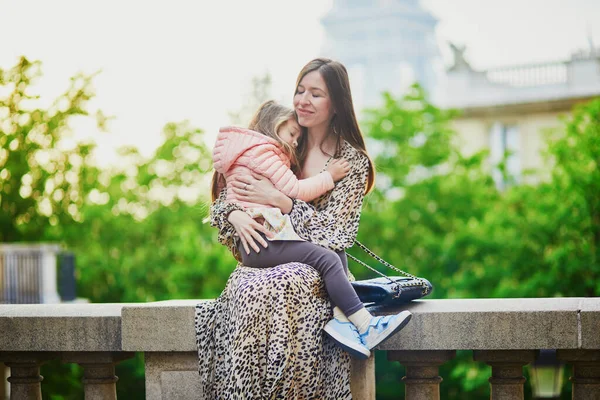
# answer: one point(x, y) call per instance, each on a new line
point(267, 120)
point(344, 125)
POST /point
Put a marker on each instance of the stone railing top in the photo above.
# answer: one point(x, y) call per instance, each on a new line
point(455, 324)
point(160, 326)
point(500, 324)
point(60, 327)
point(168, 326)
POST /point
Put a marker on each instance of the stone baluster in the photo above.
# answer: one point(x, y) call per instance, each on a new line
point(422, 380)
point(25, 379)
point(99, 379)
point(585, 376)
point(362, 379)
point(507, 378)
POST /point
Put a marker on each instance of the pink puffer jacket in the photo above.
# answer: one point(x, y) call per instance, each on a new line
point(239, 151)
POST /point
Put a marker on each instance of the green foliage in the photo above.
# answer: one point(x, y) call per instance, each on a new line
point(136, 229)
point(145, 237)
point(437, 214)
point(43, 177)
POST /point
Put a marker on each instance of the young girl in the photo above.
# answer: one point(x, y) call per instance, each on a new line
point(267, 148)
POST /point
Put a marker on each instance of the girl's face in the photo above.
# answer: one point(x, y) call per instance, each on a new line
point(312, 102)
point(290, 132)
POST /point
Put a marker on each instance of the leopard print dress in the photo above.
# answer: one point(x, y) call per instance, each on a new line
point(262, 337)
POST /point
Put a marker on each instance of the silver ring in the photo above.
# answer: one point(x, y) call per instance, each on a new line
point(246, 187)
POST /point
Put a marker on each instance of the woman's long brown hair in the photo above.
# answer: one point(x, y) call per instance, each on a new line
point(343, 124)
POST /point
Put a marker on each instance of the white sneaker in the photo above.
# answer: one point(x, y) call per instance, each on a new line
point(382, 328)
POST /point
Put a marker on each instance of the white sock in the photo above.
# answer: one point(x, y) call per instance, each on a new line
point(339, 314)
point(361, 319)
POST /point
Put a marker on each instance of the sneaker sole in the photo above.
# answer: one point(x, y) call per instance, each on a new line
point(349, 346)
point(401, 324)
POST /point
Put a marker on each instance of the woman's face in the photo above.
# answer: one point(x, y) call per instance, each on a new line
point(312, 102)
point(290, 132)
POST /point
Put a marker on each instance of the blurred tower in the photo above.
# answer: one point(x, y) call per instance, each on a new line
point(385, 44)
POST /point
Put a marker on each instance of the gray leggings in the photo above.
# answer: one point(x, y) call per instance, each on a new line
point(332, 266)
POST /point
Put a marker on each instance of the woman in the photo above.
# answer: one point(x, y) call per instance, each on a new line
point(262, 338)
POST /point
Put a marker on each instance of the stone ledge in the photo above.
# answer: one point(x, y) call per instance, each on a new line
point(590, 323)
point(489, 324)
point(455, 324)
point(60, 327)
point(167, 326)
point(161, 326)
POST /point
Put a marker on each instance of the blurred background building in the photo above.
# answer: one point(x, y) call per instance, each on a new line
point(389, 44)
point(36, 273)
point(385, 44)
point(509, 109)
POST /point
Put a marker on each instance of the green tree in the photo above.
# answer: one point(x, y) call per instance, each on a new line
point(146, 232)
point(43, 179)
point(143, 236)
point(438, 214)
point(137, 229)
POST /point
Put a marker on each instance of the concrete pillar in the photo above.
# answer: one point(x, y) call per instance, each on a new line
point(422, 380)
point(585, 378)
point(362, 378)
point(507, 378)
point(25, 379)
point(49, 289)
point(172, 375)
point(99, 379)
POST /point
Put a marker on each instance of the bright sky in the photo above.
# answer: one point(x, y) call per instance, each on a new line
point(174, 60)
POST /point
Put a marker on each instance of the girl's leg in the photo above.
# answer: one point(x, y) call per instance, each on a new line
point(365, 331)
point(344, 260)
point(325, 261)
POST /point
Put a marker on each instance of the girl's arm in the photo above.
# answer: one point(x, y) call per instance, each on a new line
point(270, 165)
point(336, 225)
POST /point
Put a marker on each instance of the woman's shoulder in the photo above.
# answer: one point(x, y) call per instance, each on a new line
point(352, 154)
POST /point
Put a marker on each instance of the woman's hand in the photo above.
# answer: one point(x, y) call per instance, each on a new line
point(260, 190)
point(248, 230)
point(255, 189)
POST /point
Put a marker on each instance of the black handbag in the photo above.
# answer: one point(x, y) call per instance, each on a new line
point(389, 290)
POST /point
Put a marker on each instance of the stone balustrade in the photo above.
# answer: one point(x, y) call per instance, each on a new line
point(504, 333)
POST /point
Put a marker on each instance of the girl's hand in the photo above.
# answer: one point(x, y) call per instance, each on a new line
point(248, 230)
point(338, 169)
point(255, 189)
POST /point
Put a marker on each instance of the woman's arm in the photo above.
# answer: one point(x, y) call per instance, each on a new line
point(219, 212)
point(336, 225)
point(231, 218)
point(284, 203)
point(260, 190)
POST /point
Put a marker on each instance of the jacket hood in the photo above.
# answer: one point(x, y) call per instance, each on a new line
point(232, 142)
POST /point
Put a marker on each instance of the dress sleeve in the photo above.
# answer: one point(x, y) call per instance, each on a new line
point(336, 225)
point(219, 211)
